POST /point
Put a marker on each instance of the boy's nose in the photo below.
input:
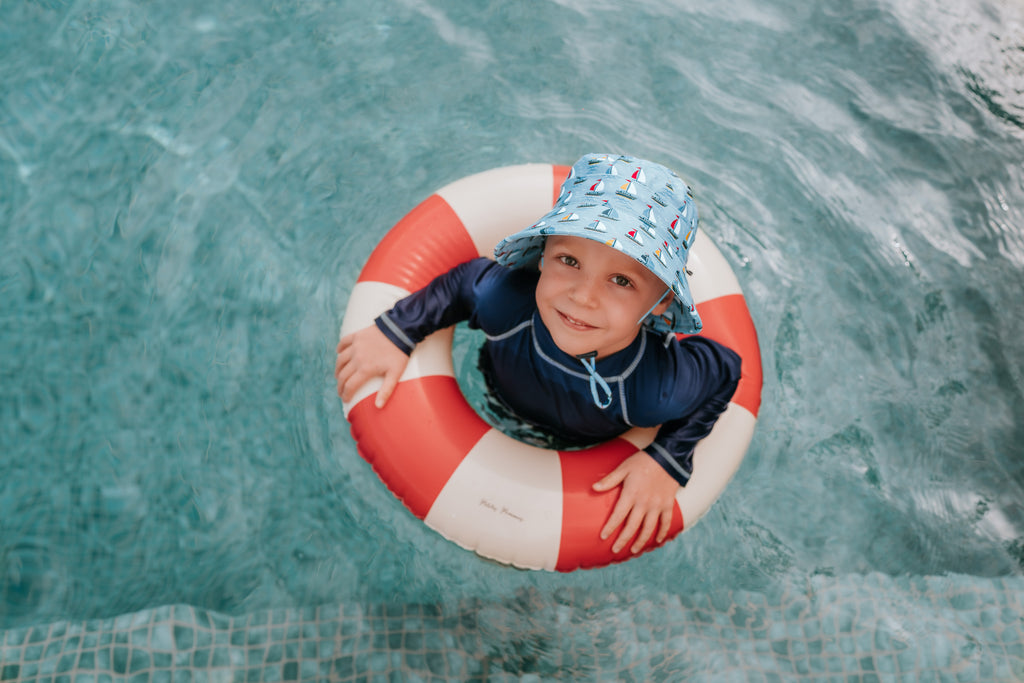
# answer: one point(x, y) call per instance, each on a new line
point(585, 292)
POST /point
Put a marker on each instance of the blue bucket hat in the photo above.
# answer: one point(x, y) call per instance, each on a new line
point(640, 208)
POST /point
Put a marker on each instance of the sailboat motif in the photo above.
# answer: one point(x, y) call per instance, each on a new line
point(658, 198)
point(610, 213)
point(636, 236)
point(597, 226)
point(650, 220)
point(628, 190)
point(687, 210)
point(677, 287)
point(638, 175)
point(660, 255)
point(673, 227)
point(569, 217)
point(596, 188)
point(613, 243)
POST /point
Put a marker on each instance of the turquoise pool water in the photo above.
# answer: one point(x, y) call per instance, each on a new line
point(188, 191)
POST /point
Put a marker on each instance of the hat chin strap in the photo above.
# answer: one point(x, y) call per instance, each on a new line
point(656, 304)
point(589, 361)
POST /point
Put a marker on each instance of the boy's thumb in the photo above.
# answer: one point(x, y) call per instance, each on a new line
point(609, 481)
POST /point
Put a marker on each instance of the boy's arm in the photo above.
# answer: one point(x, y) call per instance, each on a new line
point(713, 383)
point(446, 300)
point(650, 478)
point(367, 353)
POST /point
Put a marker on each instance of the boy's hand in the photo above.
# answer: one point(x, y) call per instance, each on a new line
point(364, 355)
point(646, 501)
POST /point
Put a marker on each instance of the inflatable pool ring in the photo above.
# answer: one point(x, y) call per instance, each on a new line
point(506, 500)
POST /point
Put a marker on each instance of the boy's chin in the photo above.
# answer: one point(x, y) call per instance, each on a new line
point(573, 344)
point(578, 343)
point(585, 347)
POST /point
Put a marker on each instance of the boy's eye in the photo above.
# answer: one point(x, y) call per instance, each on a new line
point(622, 281)
point(568, 260)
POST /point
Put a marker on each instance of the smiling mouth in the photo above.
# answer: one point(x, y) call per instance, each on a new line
point(574, 323)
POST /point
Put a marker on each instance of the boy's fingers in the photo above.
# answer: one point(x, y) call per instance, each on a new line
point(618, 515)
point(345, 387)
point(387, 388)
point(650, 523)
point(666, 524)
point(349, 381)
point(611, 480)
point(628, 531)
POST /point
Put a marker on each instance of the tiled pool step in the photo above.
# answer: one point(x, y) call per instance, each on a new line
point(852, 628)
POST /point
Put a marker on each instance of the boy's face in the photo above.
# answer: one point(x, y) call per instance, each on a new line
point(591, 297)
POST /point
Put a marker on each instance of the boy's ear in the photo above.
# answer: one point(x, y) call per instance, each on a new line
point(665, 302)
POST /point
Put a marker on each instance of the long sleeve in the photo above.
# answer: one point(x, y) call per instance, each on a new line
point(448, 299)
point(705, 382)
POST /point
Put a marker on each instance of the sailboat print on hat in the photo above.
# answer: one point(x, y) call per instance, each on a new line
point(673, 227)
point(628, 189)
point(686, 210)
point(638, 175)
point(610, 213)
point(635, 236)
point(565, 196)
point(613, 243)
point(660, 255)
point(597, 226)
point(658, 198)
point(597, 188)
point(649, 220)
point(569, 217)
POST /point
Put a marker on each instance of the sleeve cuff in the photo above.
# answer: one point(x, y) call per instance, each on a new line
point(394, 333)
point(678, 469)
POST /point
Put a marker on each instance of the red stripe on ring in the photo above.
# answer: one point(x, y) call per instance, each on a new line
point(727, 321)
point(415, 457)
point(429, 241)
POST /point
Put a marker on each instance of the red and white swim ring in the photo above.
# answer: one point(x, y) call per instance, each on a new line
point(506, 500)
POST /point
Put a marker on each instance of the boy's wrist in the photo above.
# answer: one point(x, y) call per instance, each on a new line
point(394, 333)
point(670, 464)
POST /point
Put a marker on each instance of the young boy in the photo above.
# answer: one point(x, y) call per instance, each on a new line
point(580, 312)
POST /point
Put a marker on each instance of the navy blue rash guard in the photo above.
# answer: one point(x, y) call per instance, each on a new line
point(681, 385)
